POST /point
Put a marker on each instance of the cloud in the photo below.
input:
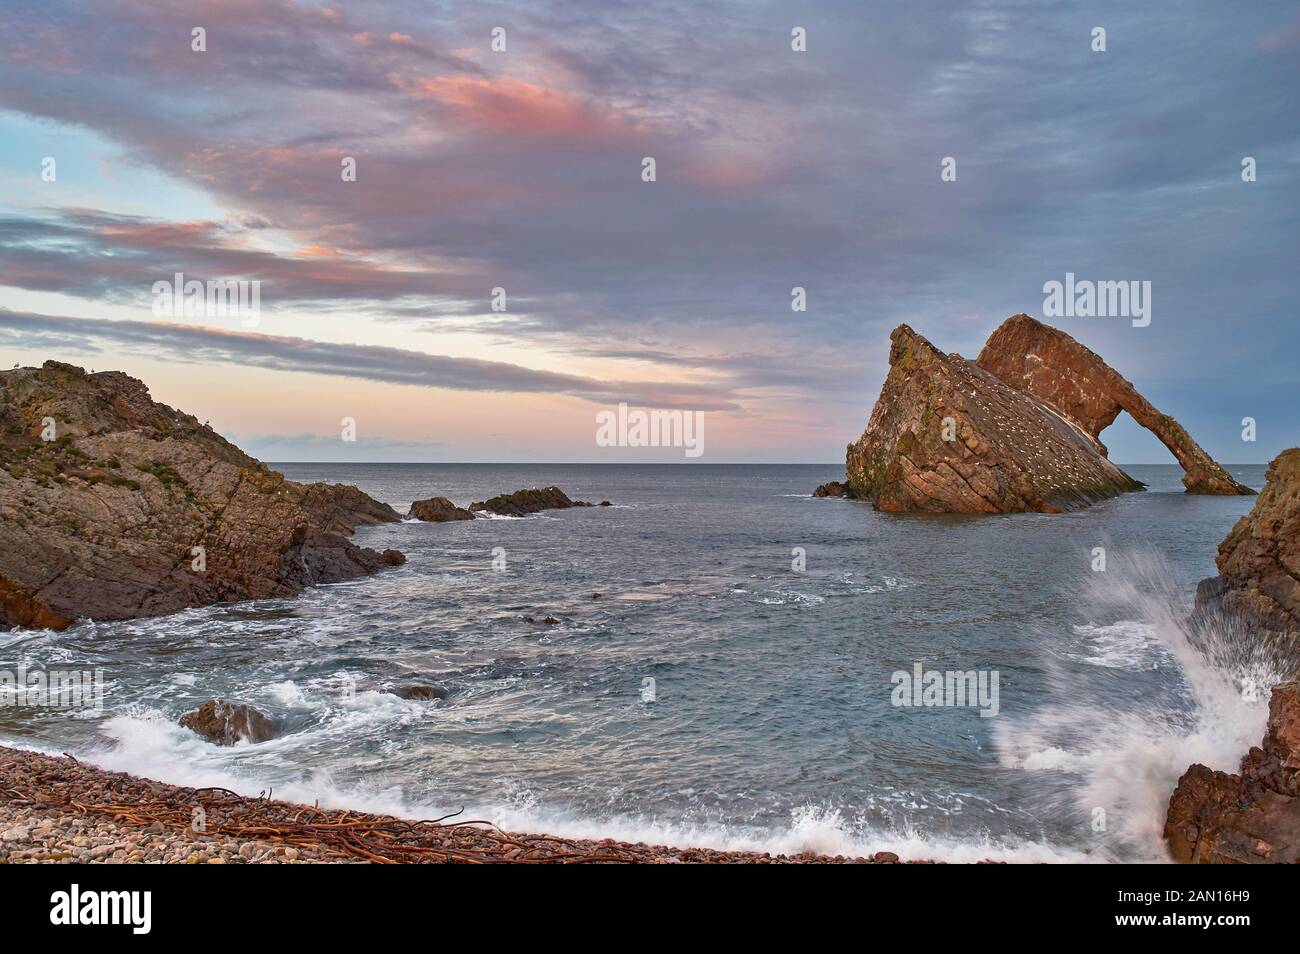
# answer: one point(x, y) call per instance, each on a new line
point(819, 169)
point(195, 343)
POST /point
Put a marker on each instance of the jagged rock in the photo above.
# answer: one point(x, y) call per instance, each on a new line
point(1049, 364)
point(1259, 560)
point(946, 436)
point(1250, 818)
point(438, 510)
point(833, 488)
point(136, 509)
point(228, 723)
point(523, 502)
point(422, 692)
point(950, 435)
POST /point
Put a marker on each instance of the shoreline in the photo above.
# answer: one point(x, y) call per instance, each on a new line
point(55, 809)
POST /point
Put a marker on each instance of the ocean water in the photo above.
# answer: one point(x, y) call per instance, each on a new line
point(772, 725)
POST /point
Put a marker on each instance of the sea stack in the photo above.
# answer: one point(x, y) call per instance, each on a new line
point(1015, 431)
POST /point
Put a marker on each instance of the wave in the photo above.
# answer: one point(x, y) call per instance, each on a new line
point(148, 745)
point(1108, 748)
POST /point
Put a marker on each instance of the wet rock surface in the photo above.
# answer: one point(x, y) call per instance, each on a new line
point(136, 509)
point(833, 488)
point(438, 510)
point(228, 723)
point(1248, 818)
point(422, 692)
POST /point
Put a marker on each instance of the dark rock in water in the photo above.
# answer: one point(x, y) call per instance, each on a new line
point(228, 723)
point(1250, 818)
point(393, 557)
point(1259, 560)
point(833, 489)
point(604, 503)
point(137, 509)
point(551, 621)
point(422, 692)
point(438, 510)
point(523, 502)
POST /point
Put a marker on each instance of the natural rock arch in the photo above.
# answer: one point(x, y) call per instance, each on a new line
point(1040, 360)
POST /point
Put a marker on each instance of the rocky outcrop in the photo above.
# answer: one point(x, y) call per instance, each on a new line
point(438, 510)
point(1249, 818)
point(113, 506)
point(523, 502)
point(1253, 816)
point(228, 723)
point(949, 435)
point(1259, 560)
point(833, 488)
point(1053, 367)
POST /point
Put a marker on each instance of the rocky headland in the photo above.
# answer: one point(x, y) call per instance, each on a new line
point(1017, 430)
point(114, 506)
point(1253, 816)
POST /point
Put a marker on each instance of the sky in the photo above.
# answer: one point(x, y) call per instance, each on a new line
point(522, 169)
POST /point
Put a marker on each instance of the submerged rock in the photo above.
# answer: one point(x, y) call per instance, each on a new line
point(136, 509)
point(1015, 431)
point(438, 510)
point(228, 723)
point(1249, 818)
point(1259, 560)
point(422, 692)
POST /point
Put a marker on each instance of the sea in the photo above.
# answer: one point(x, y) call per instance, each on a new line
point(727, 666)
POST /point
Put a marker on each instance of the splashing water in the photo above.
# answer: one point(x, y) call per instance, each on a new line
point(1110, 745)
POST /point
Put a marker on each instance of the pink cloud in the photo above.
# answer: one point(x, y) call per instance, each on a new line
point(516, 107)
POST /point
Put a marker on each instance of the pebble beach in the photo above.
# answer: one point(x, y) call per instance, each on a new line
point(56, 810)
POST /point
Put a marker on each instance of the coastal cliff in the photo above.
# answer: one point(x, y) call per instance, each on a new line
point(1015, 431)
point(1253, 817)
point(113, 506)
point(1259, 560)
